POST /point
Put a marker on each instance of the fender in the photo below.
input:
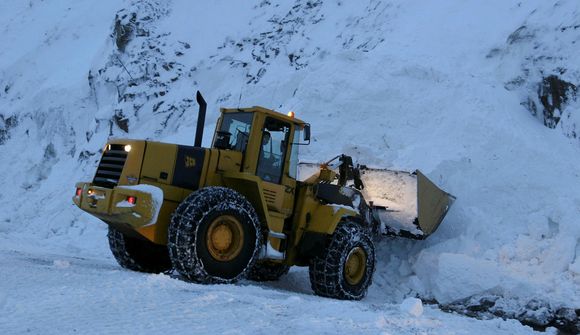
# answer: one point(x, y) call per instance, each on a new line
point(250, 186)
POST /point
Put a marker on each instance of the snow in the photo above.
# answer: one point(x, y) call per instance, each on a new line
point(397, 191)
point(271, 253)
point(124, 204)
point(337, 207)
point(97, 196)
point(155, 204)
point(412, 306)
point(61, 264)
point(395, 84)
point(393, 189)
point(575, 267)
point(95, 296)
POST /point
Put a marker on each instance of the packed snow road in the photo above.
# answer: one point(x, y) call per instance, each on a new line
point(43, 293)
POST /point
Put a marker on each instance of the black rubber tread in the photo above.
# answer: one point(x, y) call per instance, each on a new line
point(138, 255)
point(327, 270)
point(267, 271)
point(192, 217)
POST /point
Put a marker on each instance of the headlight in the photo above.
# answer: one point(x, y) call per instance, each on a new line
point(128, 147)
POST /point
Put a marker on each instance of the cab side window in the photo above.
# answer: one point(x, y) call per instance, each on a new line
point(293, 171)
point(234, 131)
point(273, 150)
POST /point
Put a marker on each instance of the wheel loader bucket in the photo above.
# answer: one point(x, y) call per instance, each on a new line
point(406, 204)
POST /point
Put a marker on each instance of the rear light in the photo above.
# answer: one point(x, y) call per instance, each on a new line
point(79, 192)
point(132, 200)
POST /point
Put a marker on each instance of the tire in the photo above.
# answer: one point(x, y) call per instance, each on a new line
point(267, 271)
point(345, 269)
point(138, 255)
point(214, 236)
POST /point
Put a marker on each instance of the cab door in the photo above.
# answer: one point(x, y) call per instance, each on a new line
point(277, 165)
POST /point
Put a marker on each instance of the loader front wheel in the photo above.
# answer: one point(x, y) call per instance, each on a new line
point(214, 236)
point(345, 269)
point(136, 254)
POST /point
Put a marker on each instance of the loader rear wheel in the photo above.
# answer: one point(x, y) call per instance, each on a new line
point(267, 271)
point(345, 269)
point(138, 255)
point(214, 236)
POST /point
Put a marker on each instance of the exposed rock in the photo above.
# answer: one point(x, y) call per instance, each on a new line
point(5, 125)
point(124, 28)
point(554, 93)
point(121, 121)
point(567, 320)
point(536, 314)
point(549, 73)
point(85, 155)
point(257, 51)
point(143, 69)
point(521, 34)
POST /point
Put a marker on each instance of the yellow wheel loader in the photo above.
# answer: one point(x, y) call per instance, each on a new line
point(239, 208)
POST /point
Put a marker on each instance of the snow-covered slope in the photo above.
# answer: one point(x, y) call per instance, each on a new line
point(445, 87)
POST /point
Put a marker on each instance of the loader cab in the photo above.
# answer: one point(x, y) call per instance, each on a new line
point(269, 142)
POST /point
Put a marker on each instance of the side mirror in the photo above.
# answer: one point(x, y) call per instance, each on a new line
point(307, 132)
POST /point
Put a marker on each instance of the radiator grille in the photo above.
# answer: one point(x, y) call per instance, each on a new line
point(111, 166)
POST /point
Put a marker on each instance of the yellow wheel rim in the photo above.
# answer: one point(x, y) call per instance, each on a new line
point(225, 238)
point(355, 266)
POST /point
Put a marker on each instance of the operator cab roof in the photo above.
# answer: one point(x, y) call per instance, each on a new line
point(266, 111)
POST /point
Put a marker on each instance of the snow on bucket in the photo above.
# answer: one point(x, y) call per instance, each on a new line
point(406, 204)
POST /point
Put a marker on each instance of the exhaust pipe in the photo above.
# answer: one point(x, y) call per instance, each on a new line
point(200, 119)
